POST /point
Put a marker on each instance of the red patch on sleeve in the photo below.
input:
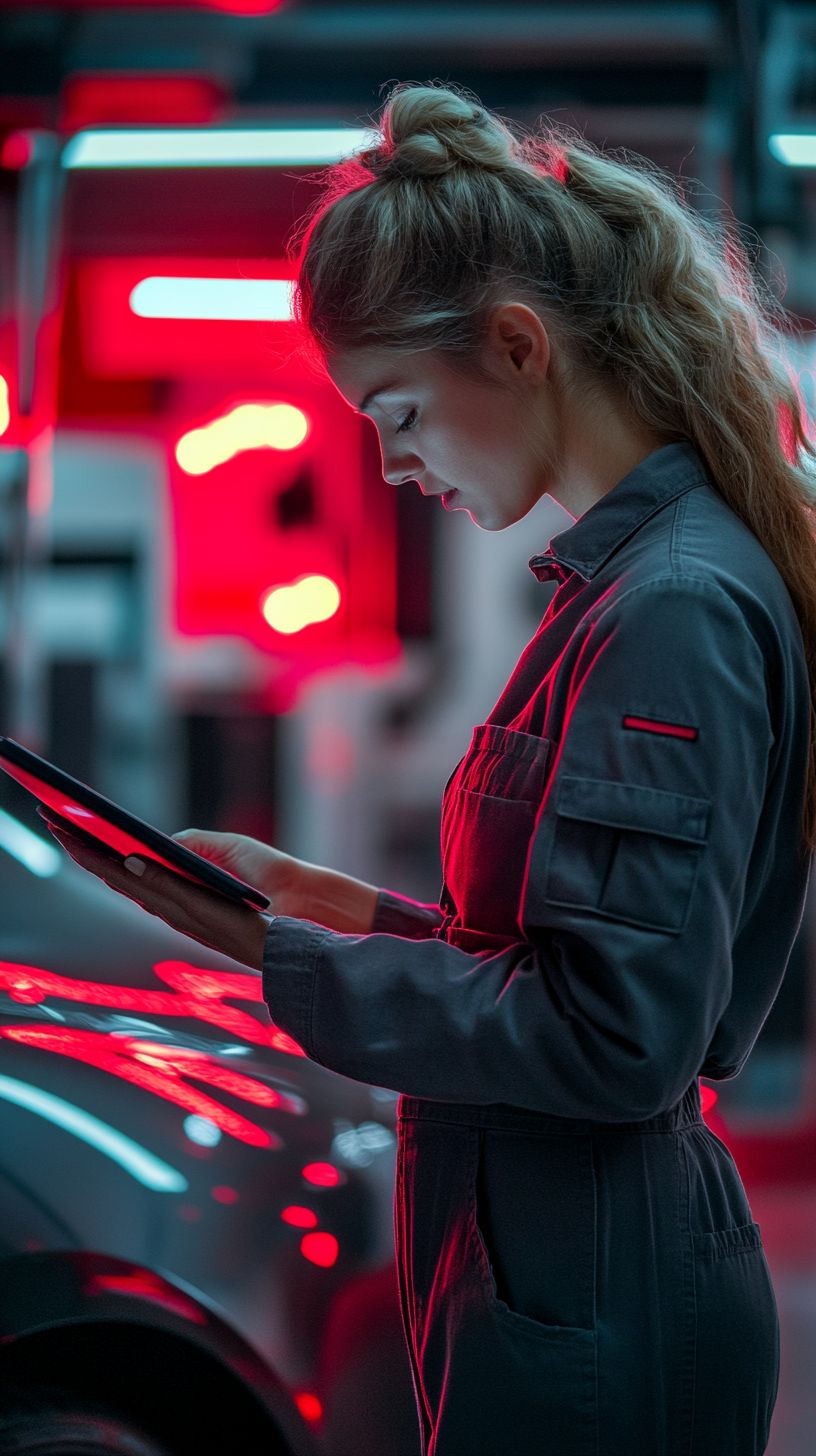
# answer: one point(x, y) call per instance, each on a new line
point(653, 725)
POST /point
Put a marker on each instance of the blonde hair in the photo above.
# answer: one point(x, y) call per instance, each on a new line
point(416, 241)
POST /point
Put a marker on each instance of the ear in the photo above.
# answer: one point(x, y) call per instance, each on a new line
point(518, 342)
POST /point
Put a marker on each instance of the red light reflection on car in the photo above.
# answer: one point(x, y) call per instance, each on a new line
point(145, 1285)
point(222, 1193)
point(196, 993)
point(299, 1217)
point(308, 1405)
point(203, 1068)
point(116, 1055)
point(321, 1249)
point(323, 1175)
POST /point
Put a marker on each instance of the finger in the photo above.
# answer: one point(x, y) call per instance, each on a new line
point(217, 848)
point(103, 866)
point(204, 915)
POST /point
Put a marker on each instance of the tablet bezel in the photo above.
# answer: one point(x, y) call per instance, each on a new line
point(16, 760)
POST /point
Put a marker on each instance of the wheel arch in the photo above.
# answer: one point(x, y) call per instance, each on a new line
point(121, 1333)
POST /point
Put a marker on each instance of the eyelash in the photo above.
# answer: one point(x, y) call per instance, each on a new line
point(410, 419)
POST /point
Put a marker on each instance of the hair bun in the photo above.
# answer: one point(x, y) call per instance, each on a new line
point(429, 130)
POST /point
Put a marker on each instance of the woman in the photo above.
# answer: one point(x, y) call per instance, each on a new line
point(625, 843)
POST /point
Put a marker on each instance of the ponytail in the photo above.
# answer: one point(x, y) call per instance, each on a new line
point(418, 239)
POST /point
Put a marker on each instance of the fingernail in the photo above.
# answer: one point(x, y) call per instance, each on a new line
point(135, 865)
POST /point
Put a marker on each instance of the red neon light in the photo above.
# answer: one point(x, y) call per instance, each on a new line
point(112, 1054)
point(707, 1099)
point(299, 1217)
point(308, 1405)
point(196, 993)
point(323, 1175)
point(121, 98)
point(146, 1285)
point(321, 1249)
point(17, 151)
point(222, 1193)
point(652, 725)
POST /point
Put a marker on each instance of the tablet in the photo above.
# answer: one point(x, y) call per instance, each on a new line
point(100, 820)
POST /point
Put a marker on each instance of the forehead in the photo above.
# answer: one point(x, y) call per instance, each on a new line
point(362, 373)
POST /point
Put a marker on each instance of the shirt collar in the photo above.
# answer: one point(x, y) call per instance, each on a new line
point(597, 535)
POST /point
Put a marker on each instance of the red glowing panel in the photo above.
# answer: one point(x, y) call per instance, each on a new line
point(111, 1054)
point(299, 1217)
point(199, 995)
point(87, 99)
point(269, 519)
point(224, 1194)
point(708, 1097)
point(323, 1175)
point(145, 1285)
point(321, 1249)
point(117, 343)
point(308, 1405)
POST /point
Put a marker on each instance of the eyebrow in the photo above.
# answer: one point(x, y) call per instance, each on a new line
point(372, 394)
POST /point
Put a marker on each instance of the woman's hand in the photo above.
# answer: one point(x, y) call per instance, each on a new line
point(269, 870)
point(234, 930)
point(294, 887)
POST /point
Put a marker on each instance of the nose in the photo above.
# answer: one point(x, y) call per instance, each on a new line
point(399, 466)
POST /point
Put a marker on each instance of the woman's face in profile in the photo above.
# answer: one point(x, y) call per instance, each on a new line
point(482, 443)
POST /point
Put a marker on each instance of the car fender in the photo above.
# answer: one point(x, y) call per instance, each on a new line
point(42, 1292)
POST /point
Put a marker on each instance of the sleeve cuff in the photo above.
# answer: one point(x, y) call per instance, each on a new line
point(397, 915)
point(291, 953)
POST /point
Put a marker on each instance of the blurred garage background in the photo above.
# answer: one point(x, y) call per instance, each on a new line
point(213, 609)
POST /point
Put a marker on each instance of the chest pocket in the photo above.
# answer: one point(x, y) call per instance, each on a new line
point(488, 819)
point(626, 852)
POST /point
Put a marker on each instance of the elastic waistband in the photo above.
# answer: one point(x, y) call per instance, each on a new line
point(499, 1116)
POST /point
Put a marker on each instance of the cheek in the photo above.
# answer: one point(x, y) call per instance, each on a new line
point(469, 449)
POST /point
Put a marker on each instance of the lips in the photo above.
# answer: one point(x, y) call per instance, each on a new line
point(449, 499)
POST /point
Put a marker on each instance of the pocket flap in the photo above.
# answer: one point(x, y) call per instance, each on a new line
point(630, 806)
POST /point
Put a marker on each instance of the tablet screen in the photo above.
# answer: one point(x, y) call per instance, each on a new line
point(113, 826)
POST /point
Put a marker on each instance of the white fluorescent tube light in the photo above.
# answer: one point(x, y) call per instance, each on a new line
point(213, 298)
point(794, 150)
point(41, 858)
point(200, 147)
point(137, 1161)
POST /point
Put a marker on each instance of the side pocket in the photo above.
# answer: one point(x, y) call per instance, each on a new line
point(737, 1344)
point(626, 852)
point(537, 1273)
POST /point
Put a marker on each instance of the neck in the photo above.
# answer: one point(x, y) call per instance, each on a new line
point(601, 443)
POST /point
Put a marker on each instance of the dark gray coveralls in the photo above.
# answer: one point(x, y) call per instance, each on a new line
point(624, 877)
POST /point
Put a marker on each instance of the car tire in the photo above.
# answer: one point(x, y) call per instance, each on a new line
point(72, 1430)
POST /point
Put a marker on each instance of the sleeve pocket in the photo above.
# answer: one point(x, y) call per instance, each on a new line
point(626, 852)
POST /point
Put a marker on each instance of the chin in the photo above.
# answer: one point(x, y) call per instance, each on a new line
point(488, 520)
